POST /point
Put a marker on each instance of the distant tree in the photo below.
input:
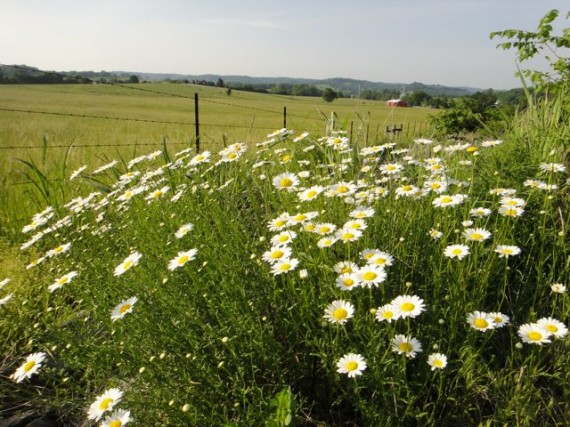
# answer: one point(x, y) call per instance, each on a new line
point(417, 97)
point(220, 83)
point(329, 95)
point(133, 79)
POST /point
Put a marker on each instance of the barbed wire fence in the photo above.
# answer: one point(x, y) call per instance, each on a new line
point(392, 132)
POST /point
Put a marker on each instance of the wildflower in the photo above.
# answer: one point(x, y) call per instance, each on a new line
point(181, 259)
point(408, 306)
point(350, 235)
point(533, 333)
point(276, 253)
point(303, 274)
point(391, 168)
point(58, 250)
point(157, 194)
point(355, 224)
point(456, 251)
point(481, 321)
point(512, 201)
point(123, 308)
point(345, 267)
point(7, 298)
point(351, 364)
point(558, 288)
point(324, 228)
point(347, 281)
point(325, 242)
point(284, 266)
point(435, 234)
point(435, 186)
point(29, 367)
point(555, 327)
point(444, 201)
point(103, 403)
point(77, 172)
point(286, 181)
point(387, 313)
point(476, 234)
point(301, 137)
point(129, 262)
point(506, 251)
point(383, 259)
point(5, 282)
point(66, 278)
point(279, 223)
point(302, 218)
point(342, 189)
point(371, 275)
point(339, 311)
point(283, 238)
point(480, 212)
point(511, 211)
point(310, 193)
point(118, 418)
point(437, 361)
point(406, 190)
point(552, 167)
point(183, 230)
point(201, 158)
point(361, 212)
point(499, 319)
point(406, 345)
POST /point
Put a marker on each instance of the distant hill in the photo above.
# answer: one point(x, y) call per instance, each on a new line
point(349, 87)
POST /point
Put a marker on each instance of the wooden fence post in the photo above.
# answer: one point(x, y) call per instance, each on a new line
point(197, 122)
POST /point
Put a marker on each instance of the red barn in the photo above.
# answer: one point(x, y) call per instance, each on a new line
point(396, 103)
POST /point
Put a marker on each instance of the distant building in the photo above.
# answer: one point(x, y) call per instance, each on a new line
point(396, 103)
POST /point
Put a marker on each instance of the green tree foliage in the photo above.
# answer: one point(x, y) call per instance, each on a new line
point(541, 43)
point(329, 95)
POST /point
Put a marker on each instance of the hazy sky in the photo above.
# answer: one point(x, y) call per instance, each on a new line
point(399, 41)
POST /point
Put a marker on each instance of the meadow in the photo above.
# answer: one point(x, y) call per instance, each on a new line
point(280, 277)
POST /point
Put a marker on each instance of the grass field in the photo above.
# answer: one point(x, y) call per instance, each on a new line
point(311, 282)
point(241, 117)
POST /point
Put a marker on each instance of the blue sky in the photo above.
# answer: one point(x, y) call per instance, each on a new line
point(400, 41)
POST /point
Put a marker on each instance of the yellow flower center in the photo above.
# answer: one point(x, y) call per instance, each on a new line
point(63, 280)
point(127, 265)
point(438, 363)
point(58, 249)
point(380, 261)
point(534, 336)
point(283, 239)
point(456, 251)
point(286, 182)
point(340, 313)
point(104, 405)
point(507, 251)
point(277, 254)
point(435, 185)
point(510, 212)
point(128, 195)
point(286, 158)
point(551, 328)
point(407, 188)
point(348, 282)
point(348, 236)
point(342, 189)
point(369, 275)
point(387, 314)
point(407, 306)
point(481, 323)
point(28, 366)
point(405, 347)
point(115, 423)
point(391, 167)
point(300, 217)
point(351, 366)
point(183, 259)
point(279, 223)
point(355, 225)
point(471, 149)
point(124, 308)
point(325, 230)
point(311, 194)
point(476, 236)
point(232, 156)
point(360, 215)
point(285, 267)
point(346, 269)
point(199, 158)
point(310, 227)
point(446, 199)
point(436, 166)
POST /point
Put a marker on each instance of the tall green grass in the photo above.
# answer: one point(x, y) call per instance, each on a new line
point(221, 340)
